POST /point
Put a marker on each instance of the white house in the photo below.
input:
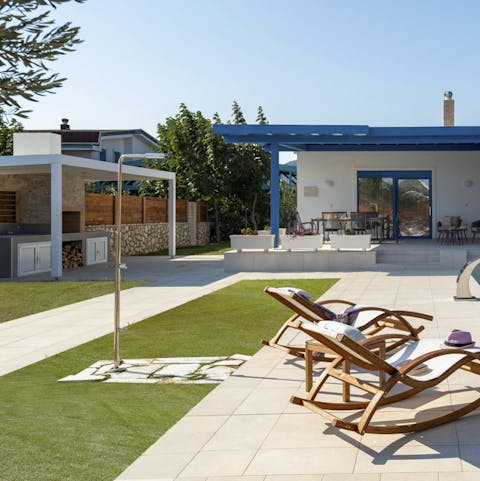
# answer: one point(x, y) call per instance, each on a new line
point(411, 177)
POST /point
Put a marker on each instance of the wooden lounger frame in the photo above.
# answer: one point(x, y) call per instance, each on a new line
point(364, 356)
point(305, 309)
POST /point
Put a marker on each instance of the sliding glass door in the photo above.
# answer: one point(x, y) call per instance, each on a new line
point(402, 199)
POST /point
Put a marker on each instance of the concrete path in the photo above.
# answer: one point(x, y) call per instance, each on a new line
point(246, 429)
point(172, 283)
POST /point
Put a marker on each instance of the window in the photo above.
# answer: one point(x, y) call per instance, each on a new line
point(9, 207)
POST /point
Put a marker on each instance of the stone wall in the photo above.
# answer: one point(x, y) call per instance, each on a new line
point(203, 233)
point(34, 190)
point(140, 239)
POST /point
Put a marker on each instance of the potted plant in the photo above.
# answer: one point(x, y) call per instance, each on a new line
point(249, 240)
point(267, 230)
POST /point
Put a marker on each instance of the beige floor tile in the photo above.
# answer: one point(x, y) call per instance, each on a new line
point(234, 478)
point(295, 477)
point(218, 463)
point(409, 477)
point(444, 434)
point(408, 459)
point(464, 476)
point(222, 401)
point(352, 477)
point(434, 398)
point(188, 435)
point(157, 466)
point(307, 430)
point(303, 461)
point(242, 432)
point(266, 401)
point(470, 456)
point(468, 428)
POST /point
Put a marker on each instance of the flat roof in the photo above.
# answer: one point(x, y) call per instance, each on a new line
point(87, 169)
point(351, 137)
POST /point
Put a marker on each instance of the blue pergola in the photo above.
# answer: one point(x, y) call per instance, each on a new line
point(342, 138)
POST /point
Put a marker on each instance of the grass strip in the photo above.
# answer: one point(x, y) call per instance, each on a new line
point(206, 250)
point(54, 431)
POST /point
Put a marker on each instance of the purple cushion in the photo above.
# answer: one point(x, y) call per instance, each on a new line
point(330, 315)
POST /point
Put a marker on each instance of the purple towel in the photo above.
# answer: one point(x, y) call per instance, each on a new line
point(349, 315)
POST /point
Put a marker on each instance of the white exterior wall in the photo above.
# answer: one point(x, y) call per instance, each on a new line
point(334, 174)
point(124, 145)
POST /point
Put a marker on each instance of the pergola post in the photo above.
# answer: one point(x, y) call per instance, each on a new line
point(172, 213)
point(56, 216)
point(274, 191)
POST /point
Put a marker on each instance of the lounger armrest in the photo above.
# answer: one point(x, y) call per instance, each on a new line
point(333, 301)
point(439, 352)
point(420, 315)
point(383, 338)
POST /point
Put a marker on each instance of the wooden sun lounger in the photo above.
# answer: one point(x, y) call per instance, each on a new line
point(371, 319)
point(440, 363)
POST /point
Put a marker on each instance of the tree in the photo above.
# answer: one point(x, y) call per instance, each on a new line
point(288, 204)
point(249, 172)
point(7, 129)
point(229, 177)
point(197, 156)
point(29, 39)
point(261, 117)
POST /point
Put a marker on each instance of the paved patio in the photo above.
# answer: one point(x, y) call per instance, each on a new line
point(246, 429)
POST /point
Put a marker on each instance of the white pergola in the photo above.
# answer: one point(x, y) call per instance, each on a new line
point(89, 170)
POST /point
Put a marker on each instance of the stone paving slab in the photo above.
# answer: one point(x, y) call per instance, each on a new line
point(180, 370)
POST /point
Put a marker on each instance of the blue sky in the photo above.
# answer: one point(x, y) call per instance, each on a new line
point(370, 62)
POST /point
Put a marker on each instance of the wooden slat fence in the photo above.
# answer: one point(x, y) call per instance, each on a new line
point(100, 209)
point(202, 212)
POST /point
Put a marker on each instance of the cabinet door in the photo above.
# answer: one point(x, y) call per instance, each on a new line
point(101, 250)
point(97, 250)
point(90, 252)
point(43, 257)
point(26, 259)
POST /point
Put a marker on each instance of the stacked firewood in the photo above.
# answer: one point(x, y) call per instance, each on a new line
point(71, 256)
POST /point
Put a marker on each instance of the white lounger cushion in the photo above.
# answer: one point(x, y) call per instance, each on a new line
point(436, 366)
point(288, 290)
point(333, 328)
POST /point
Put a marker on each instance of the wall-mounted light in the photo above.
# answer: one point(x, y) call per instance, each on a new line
point(468, 183)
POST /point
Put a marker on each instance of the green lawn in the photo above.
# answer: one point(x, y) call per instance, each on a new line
point(20, 299)
point(207, 250)
point(91, 432)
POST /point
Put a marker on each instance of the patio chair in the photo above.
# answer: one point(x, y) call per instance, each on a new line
point(358, 221)
point(301, 227)
point(332, 223)
point(475, 229)
point(370, 319)
point(417, 366)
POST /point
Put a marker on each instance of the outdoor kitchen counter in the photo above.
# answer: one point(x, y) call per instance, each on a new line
point(9, 247)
